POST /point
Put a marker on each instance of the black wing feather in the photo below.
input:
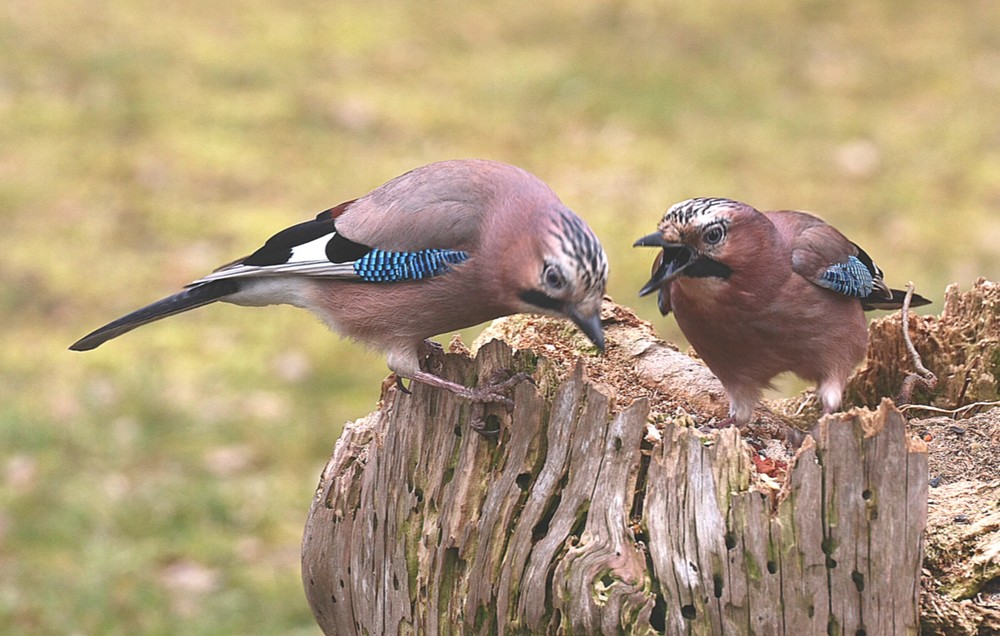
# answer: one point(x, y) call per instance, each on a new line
point(877, 300)
point(188, 299)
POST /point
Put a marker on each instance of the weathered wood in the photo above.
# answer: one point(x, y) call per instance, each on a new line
point(961, 347)
point(585, 518)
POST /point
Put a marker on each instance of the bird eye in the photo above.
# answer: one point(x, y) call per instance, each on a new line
point(713, 235)
point(553, 277)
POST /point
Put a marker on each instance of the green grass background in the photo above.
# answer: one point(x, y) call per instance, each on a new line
point(159, 484)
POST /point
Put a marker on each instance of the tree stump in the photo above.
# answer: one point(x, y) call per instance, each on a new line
point(599, 509)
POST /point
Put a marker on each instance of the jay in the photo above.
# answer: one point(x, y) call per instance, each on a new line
point(760, 293)
point(443, 247)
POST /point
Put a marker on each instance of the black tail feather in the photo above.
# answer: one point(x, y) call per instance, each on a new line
point(190, 298)
point(878, 301)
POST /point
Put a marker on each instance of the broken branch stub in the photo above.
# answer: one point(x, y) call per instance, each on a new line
point(583, 517)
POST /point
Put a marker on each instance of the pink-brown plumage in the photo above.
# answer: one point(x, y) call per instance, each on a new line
point(440, 248)
point(748, 291)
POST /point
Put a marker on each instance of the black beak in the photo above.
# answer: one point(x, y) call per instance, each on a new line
point(591, 326)
point(654, 240)
point(676, 258)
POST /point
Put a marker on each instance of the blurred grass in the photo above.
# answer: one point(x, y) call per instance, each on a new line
point(159, 484)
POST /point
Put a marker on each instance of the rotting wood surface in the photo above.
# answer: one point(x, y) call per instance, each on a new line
point(585, 518)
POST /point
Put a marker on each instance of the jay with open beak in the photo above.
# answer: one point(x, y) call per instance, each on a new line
point(760, 293)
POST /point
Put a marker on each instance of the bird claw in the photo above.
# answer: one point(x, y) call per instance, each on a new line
point(477, 422)
point(401, 386)
point(496, 384)
point(492, 391)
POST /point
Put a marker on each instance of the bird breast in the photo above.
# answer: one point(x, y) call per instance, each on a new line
point(805, 329)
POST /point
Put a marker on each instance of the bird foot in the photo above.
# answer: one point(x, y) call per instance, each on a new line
point(402, 387)
point(494, 390)
point(923, 377)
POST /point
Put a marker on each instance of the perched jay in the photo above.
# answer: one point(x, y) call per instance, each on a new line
point(443, 247)
point(758, 294)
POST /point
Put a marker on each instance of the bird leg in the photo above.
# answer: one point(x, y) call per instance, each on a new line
point(492, 391)
point(495, 388)
point(923, 376)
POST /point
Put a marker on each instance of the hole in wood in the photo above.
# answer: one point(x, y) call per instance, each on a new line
point(491, 424)
point(730, 540)
point(523, 481)
point(689, 612)
point(828, 546)
point(333, 599)
point(831, 563)
point(542, 527)
point(638, 500)
point(717, 585)
point(866, 494)
point(581, 521)
point(772, 567)
point(859, 580)
point(658, 615)
point(618, 443)
point(861, 632)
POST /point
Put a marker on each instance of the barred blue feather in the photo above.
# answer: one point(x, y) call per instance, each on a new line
point(380, 266)
point(850, 278)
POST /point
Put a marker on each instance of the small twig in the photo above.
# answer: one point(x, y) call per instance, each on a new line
point(924, 376)
point(934, 409)
point(809, 401)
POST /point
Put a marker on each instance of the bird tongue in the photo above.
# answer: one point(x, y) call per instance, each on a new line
point(675, 259)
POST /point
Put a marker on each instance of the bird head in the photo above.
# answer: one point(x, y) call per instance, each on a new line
point(695, 238)
point(567, 274)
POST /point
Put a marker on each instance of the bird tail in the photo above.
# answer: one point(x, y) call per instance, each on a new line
point(188, 299)
point(877, 300)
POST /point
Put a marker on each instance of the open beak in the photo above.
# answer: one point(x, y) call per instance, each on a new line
point(591, 327)
point(675, 259)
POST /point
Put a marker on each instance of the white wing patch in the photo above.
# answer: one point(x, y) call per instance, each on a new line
point(307, 259)
point(313, 251)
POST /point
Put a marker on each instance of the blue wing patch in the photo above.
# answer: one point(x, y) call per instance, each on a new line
point(850, 278)
point(379, 266)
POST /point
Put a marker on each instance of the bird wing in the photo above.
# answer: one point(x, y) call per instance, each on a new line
point(440, 205)
point(825, 257)
point(417, 225)
point(317, 248)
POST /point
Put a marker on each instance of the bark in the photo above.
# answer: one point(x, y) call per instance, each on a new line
point(589, 516)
